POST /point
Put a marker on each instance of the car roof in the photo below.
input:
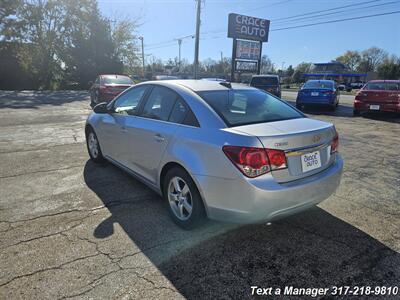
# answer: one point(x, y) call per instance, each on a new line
point(320, 80)
point(265, 75)
point(202, 85)
point(116, 75)
point(382, 80)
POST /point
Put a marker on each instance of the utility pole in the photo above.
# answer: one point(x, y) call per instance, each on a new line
point(221, 56)
point(179, 57)
point(282, 65)
point(196, 47)
point(180, 40)
point(141, 38)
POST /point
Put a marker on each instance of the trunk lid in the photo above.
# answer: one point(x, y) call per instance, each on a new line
point(315, 92)
point(116, 88)
point(296, 137)
point(379, 96)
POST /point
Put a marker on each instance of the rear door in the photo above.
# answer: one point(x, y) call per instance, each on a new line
point(149, 133)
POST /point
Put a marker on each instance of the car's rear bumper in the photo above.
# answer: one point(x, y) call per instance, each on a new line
point(107, 97)
point(383, 107)
point(262, 199)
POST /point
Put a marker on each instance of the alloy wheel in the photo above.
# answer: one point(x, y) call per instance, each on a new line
point(180, 198)
point(93, 145)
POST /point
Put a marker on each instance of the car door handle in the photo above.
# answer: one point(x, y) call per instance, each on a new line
point(159, 138)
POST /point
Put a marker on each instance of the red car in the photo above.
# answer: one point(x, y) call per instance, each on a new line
point(378, 95)
point(106, 87)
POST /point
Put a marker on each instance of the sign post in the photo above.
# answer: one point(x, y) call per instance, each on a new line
point(248, 34)
point(233, 59)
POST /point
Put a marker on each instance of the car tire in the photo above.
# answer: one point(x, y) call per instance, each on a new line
point(183, 199)
point(93, 146)
point(356, 113)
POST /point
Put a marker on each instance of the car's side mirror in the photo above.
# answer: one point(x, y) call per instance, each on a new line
point(101, 108)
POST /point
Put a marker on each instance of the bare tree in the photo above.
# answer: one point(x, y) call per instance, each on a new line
point(371, 59)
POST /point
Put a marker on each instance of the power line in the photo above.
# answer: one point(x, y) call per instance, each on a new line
point(313, 13)
point(162, 46)
point(269, 5)
point(339, 20)
point(334, 21)
point(324, 10)
point(171, 43)
point(296, 20)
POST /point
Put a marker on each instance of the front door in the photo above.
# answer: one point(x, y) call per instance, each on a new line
point(113, 128)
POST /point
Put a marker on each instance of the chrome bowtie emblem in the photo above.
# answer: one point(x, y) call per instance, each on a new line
point(316, 138)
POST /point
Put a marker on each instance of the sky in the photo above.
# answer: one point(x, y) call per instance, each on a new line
point(163, 21)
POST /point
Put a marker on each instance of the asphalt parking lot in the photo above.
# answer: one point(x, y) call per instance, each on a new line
point(73, 229)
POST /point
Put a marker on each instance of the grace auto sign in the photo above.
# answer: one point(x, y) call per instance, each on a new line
point(245, 27)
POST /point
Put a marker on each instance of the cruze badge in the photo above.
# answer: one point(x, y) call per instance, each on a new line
point(281, 144)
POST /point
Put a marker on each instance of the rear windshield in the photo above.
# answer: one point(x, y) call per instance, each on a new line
point(117, 80)
point(318, 85)
point(241, 107)
point(264, 81)
point(389, 86)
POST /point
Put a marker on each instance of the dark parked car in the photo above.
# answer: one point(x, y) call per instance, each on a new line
point(318, 92)
point(378, 95)
point(357, 84)
point(268, 83)
point(106, 87)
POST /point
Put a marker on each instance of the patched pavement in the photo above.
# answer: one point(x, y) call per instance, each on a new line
point(73, 229)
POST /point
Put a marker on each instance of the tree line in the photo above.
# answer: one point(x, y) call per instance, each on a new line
point(373, 59)
point(57, 44)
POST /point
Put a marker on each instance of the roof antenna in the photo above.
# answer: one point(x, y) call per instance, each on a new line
point(226, 84)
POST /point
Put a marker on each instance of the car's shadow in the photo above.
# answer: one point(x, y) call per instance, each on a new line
point(36, 99)
point(344, 110)
point(217, 260)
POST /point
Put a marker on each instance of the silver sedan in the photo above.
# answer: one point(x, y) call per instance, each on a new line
point(219, 150)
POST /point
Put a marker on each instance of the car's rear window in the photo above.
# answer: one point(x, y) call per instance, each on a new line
point(116, 79)
point(241, 107)
point(265, 81)
point(389, 86)
point(318, 85)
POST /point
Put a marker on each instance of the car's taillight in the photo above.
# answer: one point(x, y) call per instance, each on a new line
point(335, 143)
point(254, 162)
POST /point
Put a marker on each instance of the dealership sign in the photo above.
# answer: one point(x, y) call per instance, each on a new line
point(245, 27)
point(248, 50)
point(246, 66)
